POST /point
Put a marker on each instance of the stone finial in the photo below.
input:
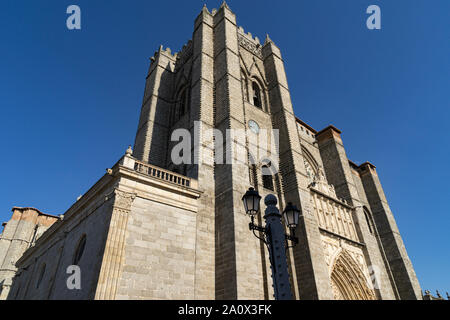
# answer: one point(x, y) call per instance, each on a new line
point(438, 294)
point(205, 9)
point(79, 197)
point(224, 5)
point(129, 151)
point(448, 297)
point(267, 39)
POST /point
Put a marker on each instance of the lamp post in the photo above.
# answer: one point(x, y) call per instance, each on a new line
point(274, 237)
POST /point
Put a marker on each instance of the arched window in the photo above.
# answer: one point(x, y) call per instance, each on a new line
point(79, 251)
point(256, 95)
point(267, 177)
point(181, 106)
point(41, 276)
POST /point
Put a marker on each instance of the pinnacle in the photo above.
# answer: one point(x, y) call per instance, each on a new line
point(225, 5)
point(205, 8)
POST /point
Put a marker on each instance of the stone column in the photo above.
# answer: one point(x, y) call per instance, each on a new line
point(310, 267)
point(113, 256)
point(401, 266)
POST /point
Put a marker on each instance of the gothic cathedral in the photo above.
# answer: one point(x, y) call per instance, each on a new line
point(155, 228)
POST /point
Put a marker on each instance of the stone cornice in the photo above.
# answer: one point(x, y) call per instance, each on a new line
point(359, 244)
point(330, 127)
point(93, 199)
point(331, 198)
point(306, 125)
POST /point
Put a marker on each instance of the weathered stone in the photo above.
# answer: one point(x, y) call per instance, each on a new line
point(154, 229)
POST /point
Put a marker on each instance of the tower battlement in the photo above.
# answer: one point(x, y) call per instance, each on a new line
point(154, 227)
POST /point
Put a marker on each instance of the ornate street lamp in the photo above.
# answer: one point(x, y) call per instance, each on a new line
point(251, 201)
point(291, 215)
point(274, 237)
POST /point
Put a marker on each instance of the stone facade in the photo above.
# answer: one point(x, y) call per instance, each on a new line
point(152, 228)
point(19, 234)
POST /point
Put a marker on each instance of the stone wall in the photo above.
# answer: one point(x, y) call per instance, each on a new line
point(152, 233)
point(139, 230)
point(20, 233)
point(42, 270)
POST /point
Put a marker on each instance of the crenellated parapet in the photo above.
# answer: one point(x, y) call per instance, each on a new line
point(249, 43)
point(184, 55)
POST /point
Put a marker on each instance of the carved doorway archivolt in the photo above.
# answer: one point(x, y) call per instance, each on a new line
point(348, 281)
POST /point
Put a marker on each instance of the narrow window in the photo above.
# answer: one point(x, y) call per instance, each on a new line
point(267, 178)
point(256, 95)
point(369, 224)
point(79, 251)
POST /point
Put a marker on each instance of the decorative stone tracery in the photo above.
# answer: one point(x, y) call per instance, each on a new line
point(348, 281)
point(250, 46)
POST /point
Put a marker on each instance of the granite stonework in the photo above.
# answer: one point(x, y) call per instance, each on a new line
point(153, 228)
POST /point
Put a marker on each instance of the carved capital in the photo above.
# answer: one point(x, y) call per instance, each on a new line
point(123, 200)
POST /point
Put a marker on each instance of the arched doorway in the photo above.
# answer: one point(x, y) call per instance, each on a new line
point(348, 281)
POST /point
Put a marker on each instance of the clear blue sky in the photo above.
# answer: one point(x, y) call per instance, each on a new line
point(70, 100)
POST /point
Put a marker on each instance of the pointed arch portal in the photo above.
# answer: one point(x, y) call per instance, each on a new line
point(348, 281)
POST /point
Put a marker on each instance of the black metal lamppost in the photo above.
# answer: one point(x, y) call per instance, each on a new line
point(274, 237)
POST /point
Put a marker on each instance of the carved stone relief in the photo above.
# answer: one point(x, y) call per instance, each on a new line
point(348, 271)
point(250, 46)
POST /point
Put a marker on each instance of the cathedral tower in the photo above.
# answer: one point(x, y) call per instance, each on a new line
point(227, 79)
point(167, 222)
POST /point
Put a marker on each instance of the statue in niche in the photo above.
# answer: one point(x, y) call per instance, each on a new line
point(309, 170)
point(320, 175)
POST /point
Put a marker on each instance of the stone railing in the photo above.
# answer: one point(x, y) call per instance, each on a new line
point(163, 174)
point(128, 161)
